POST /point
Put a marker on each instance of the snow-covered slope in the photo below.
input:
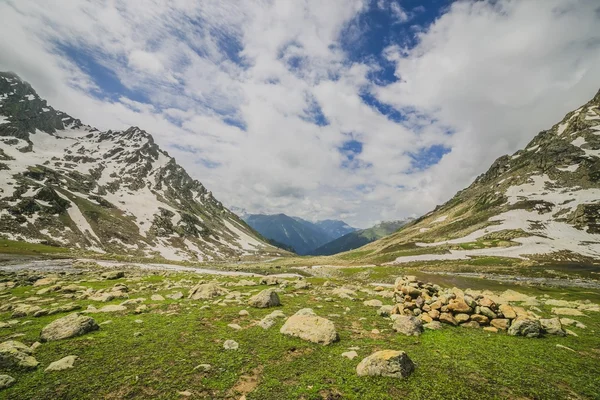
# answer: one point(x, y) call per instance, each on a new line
point(68, 184)
point(541, 202)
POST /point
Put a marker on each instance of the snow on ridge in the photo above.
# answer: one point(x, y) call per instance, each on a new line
point(81, 222)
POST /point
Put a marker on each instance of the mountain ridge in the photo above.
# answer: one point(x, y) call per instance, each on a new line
point(69, 184)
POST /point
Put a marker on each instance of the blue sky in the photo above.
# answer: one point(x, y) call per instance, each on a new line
point(363, 110)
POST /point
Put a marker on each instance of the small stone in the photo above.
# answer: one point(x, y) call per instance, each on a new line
point(140, 309)
point(490, 329)
point(156, 297)
point(560, 346)
point(480, 319)
point(448, 319)
point(243, 313)
point(373, 303)
point(137, 334)
point(470, 324)
point(434, 325)
point(572, 322)
point(175, 296)
point(389, 363)
point(459, 306)
point(460, 318)
point(62, 364)
point(138, 321)
point(350, 354)
point(234, 326)
point(500, 323)
point(375, 331)
point(109, 275)
point(185, 393)
point(507, 311)
point(203, 367)
point(6, 381)
point(269, 320)
point(567, 311)
point(231, 345)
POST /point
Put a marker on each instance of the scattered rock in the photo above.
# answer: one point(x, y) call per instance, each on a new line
point(67, 327)
point(389, 363)
point(45, 281)
point(203, 367)
point(157, 297)
point(205, 291)
point(231, 345)
point(310, 327)
point(62, 364)
point(552, 326)
point(526, 327)
point(15, 354)
point(6, 381)
point(243, 313)
point(572, 322)
point(567, 311)
point(234, 326)
point(265, 299)
point(269, 320)
point(385, 311)
point(410, 326)
point(175, 296)
point(434, 325)
point(110, 275)
point(350, 354)
point(373, 303)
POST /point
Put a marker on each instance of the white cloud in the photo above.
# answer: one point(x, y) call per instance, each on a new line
point(495, 73)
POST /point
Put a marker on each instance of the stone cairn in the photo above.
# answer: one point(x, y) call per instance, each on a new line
point(428, 305)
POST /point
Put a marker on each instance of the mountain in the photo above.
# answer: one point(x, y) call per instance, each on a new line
point(68, 184)
point(540, 203)
point(301, 235)
point(334, 228)
point(356, 239)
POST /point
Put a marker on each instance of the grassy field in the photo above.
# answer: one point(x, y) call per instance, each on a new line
point(178, 335)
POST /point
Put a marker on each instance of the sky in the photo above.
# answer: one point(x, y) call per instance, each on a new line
point(360, 110)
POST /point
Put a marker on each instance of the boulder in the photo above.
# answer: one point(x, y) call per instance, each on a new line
point(15, 354)
point(460, 318)
point(389, 363)
point(62, 364)
point(552, 326)
point(409, 326)
point(526, 327)
point(487, 312)
point(67, 327)
point(310, 327)
point(480, 319)
point(205, 291)
point(265, 299)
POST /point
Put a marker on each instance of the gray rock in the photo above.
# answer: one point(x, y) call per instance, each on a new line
point(205, 291)
point(231, 345)
point(266, 298)
point(15, 354)
point(410, 326)
point(311, 328)
point(109, 275)
point(175, 296)
point(67, 327)
point(552, 326)
point(62, 364)
point(526, 327)
point(389, 363)
point(6, 381)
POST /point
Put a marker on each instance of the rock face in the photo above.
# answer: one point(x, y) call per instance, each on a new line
point(390, 363)
point(265, 299)
point(526, 327)
point(15, 354)
point(205, 291)
point(410, 326)
point(67, 327)
point(62, 364)
point(308, 326)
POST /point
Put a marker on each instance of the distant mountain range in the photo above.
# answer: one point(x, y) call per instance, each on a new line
point(356, 239)
point(296, 233)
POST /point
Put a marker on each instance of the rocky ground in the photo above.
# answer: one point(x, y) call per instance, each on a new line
point(86, 331)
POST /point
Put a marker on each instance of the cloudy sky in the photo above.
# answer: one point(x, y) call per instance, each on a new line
point(363, 110)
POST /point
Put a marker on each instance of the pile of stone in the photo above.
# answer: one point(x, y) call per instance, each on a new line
point(425, 305)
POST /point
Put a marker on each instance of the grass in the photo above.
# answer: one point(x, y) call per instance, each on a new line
point(453, 363)
point(26, 248)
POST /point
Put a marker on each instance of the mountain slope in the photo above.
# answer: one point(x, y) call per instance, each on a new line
point(356, 239)
point(334, 228)
point(303, 236)
point(68, 184)
point(543, 202)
